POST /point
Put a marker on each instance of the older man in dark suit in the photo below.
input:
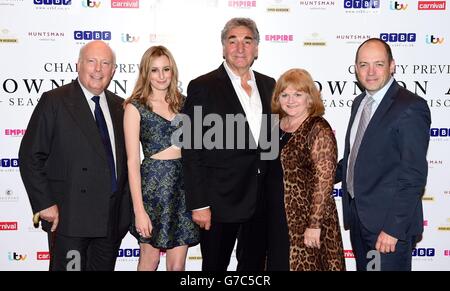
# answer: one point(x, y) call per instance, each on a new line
point(73, 165)
point(384, 169)
point(224, 182)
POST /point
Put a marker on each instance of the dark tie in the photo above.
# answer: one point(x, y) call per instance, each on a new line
point(103, 129)
point(363, 122)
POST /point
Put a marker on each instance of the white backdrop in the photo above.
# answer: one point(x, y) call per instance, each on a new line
point(40, 39)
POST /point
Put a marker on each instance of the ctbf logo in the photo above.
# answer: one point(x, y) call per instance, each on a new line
point(337, 192)
point(91, 35)
point(8, 225)
point(52, 2)
point(362, 4)
point(439, 132)
point(90, 4)
point(431, 39)
point(9, 163)
point(128, 253)
point(423, 252)
point(398, 6)
point(398, 37)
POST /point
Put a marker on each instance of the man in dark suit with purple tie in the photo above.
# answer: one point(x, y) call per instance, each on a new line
point(73, 166)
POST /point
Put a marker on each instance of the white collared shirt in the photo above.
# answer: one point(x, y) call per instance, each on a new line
point(104, 105)
point(251, 104)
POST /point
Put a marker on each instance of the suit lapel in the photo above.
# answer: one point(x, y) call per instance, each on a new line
point(80, 111)
point(116, 113)
point(228, 91)
point(355, 107)
point(382, 109)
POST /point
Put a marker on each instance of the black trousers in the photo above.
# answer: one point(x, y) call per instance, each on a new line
point(217, 243)
point(69, 253)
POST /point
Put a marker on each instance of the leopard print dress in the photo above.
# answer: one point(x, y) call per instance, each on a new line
point(309, 165)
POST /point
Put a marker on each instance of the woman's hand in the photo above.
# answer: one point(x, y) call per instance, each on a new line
point(312, 237)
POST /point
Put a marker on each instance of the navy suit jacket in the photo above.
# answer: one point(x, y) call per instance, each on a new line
point(63, 161)
point(391, 167)
point(224, 179)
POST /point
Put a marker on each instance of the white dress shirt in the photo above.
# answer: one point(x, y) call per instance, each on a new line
point(251, 104)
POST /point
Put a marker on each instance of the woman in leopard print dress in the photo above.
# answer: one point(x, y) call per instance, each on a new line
point(308, 159)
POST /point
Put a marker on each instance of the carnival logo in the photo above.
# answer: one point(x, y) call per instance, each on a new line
point(398, 6)
point(242, 4)
point(8, 225)
point(398, 37)
point(348, 254)
point(279, 38)
point(91, 35)
point(431, 5)
point(43, 256)
point(446, 253)
point(124, 3)
point(431, 39)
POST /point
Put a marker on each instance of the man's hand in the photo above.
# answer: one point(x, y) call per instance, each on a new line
point(202, 218)
point(385, 243)
point(50, 214)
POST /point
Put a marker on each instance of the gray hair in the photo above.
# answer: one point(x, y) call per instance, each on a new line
point(235, 22)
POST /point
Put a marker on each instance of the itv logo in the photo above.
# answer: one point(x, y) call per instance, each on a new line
point(431, 39)
point(398, 6)
point(91, 35)
point(129, 38)
point(13, 256)
point(90, 4)
point(398, 37)
point(362, 4)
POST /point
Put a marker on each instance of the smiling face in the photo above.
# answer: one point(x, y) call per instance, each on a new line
point(373, 68)
point(160, 73)
point(240, 49)
point(96, 66)
point(294, 102)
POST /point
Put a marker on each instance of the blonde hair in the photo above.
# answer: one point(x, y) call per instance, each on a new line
point(143, 89)
point(301, 81)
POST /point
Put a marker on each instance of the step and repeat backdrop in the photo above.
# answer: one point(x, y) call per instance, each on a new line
point(40, 40)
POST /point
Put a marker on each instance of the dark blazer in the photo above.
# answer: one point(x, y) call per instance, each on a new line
point(391, 167)
point(224, 179)
point(63, 162)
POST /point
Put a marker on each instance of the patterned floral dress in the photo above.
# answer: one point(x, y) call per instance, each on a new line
point(162, 186)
